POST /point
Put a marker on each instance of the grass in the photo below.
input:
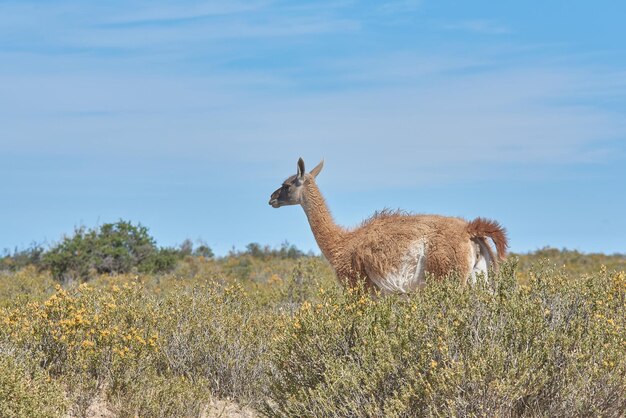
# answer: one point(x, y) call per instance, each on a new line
point(279, 336)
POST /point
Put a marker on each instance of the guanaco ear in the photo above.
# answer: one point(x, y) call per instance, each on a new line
point(317, 169)
point(301, 171)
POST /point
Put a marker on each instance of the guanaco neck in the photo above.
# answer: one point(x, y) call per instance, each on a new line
point(327, 233)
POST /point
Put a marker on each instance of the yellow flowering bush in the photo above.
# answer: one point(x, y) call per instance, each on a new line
point(122, 340)
point(24, 285)
point(280, 335)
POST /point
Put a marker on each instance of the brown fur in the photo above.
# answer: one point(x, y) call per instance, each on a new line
point(481, 228)
point(380, 243)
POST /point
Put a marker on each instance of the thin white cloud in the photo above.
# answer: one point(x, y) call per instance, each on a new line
point(163, 12)
point(401, 67)
point(482, 26)
point(399, 6)
point(159, 24)
point(413, 115)
point(201, 33)
point(451, 130)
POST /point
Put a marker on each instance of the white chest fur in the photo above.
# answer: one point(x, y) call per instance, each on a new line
point(409, 274)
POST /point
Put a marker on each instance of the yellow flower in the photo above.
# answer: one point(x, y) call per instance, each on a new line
point(87, 344)
point(274, 279)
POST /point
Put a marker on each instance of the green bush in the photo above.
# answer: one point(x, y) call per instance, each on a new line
point(266, 252)
point(119, 247)
point(18, 259)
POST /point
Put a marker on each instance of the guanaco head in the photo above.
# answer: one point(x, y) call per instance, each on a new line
point(290, 193)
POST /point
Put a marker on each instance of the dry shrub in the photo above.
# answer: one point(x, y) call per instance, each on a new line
point(279, 335)
point(149, 355)
point(553, 347)
point(25, 389)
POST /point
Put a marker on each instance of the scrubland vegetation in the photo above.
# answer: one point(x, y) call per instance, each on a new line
point(270, 330)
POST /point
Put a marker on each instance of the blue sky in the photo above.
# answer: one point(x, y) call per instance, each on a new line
point(186, 115)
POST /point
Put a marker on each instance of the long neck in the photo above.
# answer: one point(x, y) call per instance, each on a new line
point(327, 233)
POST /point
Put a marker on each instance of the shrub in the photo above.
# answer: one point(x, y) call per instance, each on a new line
point(27, 391)
point(283, 338)
point(19, 259)
point(266, 252)
point(219, 334)
point(24, 285)
point(554, 347)
point(571, 261)
point(145, 354)
point(117, 248)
